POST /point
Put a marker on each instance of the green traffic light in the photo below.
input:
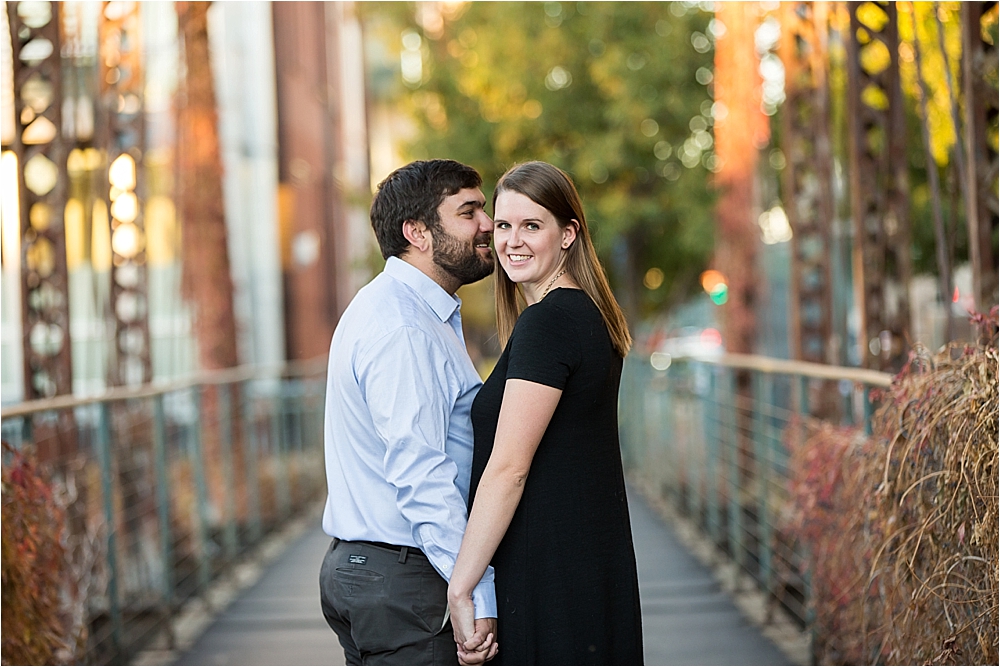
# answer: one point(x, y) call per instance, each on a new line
point(719, 294)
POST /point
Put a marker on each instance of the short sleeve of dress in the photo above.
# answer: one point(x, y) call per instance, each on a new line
point(544, 346)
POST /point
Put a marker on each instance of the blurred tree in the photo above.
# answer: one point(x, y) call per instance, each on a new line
point(617, 94)
point(922, 21)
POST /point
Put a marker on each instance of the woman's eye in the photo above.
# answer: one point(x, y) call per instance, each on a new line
point(531, 225)
point(502, 225)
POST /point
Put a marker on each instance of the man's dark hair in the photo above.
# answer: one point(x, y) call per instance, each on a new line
point(415, 192)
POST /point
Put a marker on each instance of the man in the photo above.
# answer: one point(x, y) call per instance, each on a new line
point(398, 435)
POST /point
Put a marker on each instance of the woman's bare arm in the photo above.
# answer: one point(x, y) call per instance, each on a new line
point(525, 413)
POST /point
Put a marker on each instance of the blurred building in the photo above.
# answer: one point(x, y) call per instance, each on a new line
point(292, 127)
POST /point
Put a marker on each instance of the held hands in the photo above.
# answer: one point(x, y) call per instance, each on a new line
point(475, 639)
point(476, 652)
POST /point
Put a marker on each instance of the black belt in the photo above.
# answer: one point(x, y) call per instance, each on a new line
point(391, 547)
point(395, 548)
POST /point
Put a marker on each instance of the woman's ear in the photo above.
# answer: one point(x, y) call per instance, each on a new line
point(569, 233)
point(417, 234)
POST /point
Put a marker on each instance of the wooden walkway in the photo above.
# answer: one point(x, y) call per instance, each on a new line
point(687, 618)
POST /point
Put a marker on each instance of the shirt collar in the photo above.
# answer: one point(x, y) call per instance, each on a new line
point(443, 304)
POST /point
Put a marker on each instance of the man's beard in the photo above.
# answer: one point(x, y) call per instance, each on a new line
point(460, 260)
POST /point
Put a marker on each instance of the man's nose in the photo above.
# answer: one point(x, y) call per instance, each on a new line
point(485, 223)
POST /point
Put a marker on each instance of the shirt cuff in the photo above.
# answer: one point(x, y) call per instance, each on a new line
point(484, 596)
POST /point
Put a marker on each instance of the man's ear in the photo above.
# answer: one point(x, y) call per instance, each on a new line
point(417, 234)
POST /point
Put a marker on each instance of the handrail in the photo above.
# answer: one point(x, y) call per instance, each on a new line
point(224, 376)
point(791, 367)
point(722, 457)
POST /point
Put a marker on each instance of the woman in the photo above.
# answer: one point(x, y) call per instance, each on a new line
point(559, 538)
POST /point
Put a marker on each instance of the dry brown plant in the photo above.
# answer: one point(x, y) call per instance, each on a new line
point(828, 491)
point(934, 569)
point(901, 528)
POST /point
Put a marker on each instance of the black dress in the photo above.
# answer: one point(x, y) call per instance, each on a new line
point(567, 590)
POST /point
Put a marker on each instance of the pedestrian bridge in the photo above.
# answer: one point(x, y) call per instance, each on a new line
point(192, 511)
point(688, 618)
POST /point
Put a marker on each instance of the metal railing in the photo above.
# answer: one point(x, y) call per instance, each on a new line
point(711, 436)
point(166, 486)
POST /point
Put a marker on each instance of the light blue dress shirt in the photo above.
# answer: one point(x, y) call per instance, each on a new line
point(398, 435)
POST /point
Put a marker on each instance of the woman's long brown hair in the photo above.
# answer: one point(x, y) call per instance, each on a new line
point(551, 188)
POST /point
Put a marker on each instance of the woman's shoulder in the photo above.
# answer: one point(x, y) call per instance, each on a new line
point(561, 310)
point(568, 297)
point(571, 302)
point(545, 345)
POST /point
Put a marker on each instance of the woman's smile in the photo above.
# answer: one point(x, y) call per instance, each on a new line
point(530, 242)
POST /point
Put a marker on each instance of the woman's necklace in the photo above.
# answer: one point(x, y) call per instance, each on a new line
point(551, 282)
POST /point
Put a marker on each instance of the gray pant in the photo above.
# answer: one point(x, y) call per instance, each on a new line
point(386, 605)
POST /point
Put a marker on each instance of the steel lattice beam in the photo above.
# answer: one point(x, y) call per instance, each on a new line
point(42, 180)
point(879, 190)
point(122, 110)
point(980, 76)
point(806, 180)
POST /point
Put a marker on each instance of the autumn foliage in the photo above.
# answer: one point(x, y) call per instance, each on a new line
point(902, 526)
point(825, 513)
point(34, 566)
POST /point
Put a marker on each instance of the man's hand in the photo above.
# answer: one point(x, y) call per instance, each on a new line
point(475, 639)
point(482, 646)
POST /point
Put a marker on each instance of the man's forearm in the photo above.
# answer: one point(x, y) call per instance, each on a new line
point(444, 560)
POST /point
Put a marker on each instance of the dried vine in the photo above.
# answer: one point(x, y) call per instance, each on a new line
point(902, 527)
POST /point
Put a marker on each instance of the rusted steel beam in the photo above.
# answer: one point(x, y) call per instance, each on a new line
point(42, 182)
point(308, 128)
point(121, 81)
point(879, 190)
point(206, 281)
point(738, 139)
point(979, 71)
point(807, 179)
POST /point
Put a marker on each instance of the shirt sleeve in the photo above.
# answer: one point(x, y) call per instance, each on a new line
point(410, 389)
point(544, 346)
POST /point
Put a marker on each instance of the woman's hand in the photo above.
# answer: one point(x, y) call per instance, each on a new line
point(475, 639)
point(463, 616)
